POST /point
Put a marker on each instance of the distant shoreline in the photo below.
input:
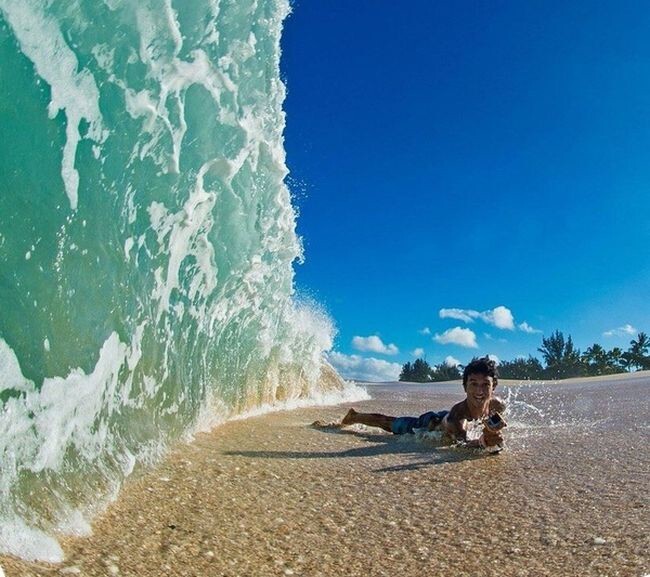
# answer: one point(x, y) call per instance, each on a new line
point(513, 382)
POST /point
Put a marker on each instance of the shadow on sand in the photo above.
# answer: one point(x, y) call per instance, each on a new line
point(419, 453)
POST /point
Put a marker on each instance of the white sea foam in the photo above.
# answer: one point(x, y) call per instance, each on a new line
point(180, 235)
point(430, 436)
point(215, 415)
point(11, 375)
point(17, 538)
point(349, 394)
point(37, 427)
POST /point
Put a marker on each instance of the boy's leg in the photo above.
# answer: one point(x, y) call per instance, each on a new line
point(369, 419)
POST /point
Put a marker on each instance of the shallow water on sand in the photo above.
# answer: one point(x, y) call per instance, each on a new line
point(272, 495)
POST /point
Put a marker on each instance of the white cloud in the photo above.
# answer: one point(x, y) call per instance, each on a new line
point(451, 361)
point(464, 315)
point(425, 331)
point(417, 353)
point(495, 359)
point(500, 317)
point(373, 344)
point(457, 336)
point(358, 368)
point(525, 327)
point(627, 329)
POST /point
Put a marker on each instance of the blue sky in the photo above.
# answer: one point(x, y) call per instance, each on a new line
point(463, 168)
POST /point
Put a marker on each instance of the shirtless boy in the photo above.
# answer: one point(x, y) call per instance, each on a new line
point(480, 378)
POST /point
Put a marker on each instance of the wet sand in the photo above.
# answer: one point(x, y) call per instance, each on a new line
point(273, 495)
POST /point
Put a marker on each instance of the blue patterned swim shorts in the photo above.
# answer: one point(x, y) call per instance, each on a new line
point(403, 425)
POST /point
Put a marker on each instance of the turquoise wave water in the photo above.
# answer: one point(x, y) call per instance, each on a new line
point(147, 241)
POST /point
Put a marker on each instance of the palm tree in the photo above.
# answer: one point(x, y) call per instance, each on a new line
point(637, 354)
point(616, 360)
point(561, 357)
point(445, 372)
point(552, 349)
point(595, 357)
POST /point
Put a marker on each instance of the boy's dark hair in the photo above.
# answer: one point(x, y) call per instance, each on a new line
point(483, 366)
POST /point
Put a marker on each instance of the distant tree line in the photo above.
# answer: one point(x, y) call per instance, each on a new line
point(419, 371)
point(561, 360)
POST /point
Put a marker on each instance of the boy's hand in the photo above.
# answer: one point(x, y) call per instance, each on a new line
point(492, 438)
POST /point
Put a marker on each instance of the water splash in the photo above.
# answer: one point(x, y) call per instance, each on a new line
point(533, 408)
point(518, 409)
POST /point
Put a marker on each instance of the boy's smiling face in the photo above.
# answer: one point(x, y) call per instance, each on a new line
point(479, 392)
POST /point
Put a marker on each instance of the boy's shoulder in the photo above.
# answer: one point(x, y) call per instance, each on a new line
point(459, 411)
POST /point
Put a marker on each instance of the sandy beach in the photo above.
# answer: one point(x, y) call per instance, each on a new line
point(273, 495)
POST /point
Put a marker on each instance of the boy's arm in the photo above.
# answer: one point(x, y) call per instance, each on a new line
point(494, 437)
point(454, 424)
point(457, 431)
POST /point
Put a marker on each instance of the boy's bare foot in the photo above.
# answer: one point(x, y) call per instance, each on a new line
point(349, 418)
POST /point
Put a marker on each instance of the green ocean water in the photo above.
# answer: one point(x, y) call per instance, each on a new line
point(147, 245)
